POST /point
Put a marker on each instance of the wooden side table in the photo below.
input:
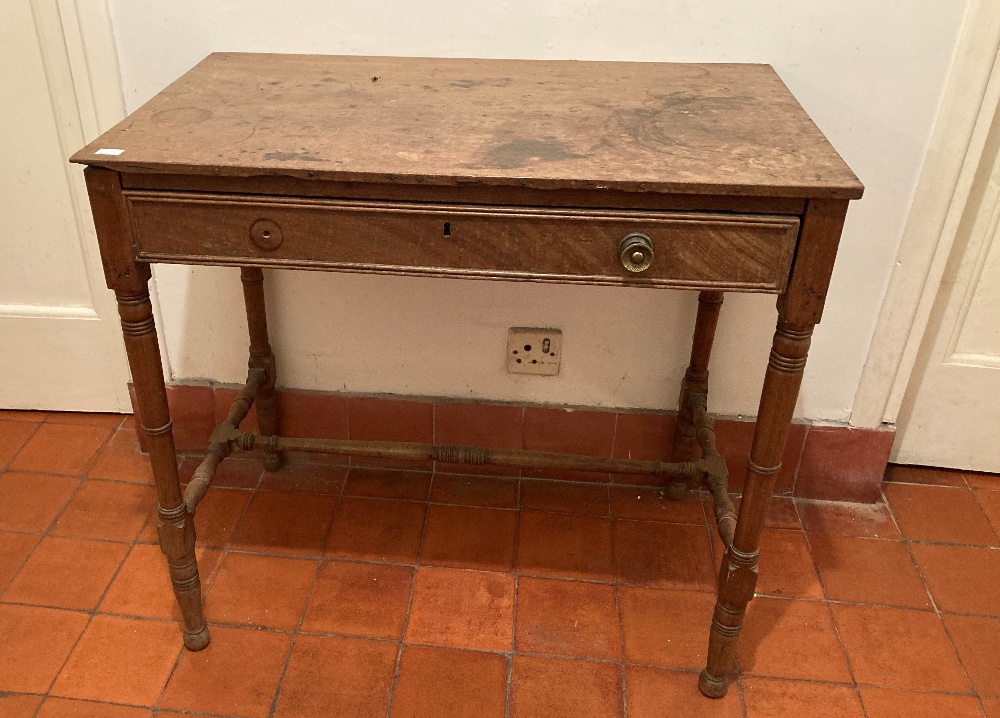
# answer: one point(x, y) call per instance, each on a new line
point(702, 177)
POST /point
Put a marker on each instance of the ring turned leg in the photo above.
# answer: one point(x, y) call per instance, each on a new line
point(695, 382)
point(261, 357)
point(738, 575)
point(175, 522)
point(130, 280)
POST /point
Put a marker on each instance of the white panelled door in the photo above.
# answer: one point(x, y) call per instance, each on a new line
point(60, 346)
point(951, 413)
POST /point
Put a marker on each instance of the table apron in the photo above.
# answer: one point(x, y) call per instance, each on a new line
point(740, 252)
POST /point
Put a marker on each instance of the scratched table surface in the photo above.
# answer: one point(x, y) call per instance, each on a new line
point(723, 129)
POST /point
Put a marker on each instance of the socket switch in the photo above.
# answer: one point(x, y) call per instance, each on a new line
point(534, 351)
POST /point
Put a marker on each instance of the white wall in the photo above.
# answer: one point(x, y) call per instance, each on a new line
point(870, 73)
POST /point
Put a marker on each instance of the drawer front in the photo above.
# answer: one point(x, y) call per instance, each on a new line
point(743, 252)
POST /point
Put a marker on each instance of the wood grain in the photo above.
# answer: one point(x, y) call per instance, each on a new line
point(746, 252)
point(647, 127)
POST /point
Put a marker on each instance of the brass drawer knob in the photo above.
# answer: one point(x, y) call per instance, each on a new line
point(636, 252)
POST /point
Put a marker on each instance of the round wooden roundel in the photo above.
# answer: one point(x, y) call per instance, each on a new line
point(266, 234)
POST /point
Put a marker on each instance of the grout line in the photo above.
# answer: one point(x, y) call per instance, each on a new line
point(406, 620)
point(836, 627)
point(621, 649)
point(295, 636)
point(934, 605)
point(27, 440)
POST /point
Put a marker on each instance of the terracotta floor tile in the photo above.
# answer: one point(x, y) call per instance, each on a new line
point(18, 705)
point(976, 640)
point(786, 566)
point(484, 491)
point(377, 530)
point(836, 518)
point(142, 586)
point(781, 511)
point(890, 703)
point(466, 537)
point(312, 415)
point(61, 449)
point(285, 523)
point(448, 682)
point(86, 418)
point(463, 609)
point(659, 693)
point(791, 639)
point(962, 579)
point(260, 591)
point(769, 698)
point(992, 706)
point(13, 435)
point(381, 419)
point(217, 516)
point(36, 642)
point(565, 497)
point(555, 688)
point(388, 484)
point(232, 473)
point(106, 510)
point(926, 475)
point(360, 599)
point(23, 415)
point(899, 648)
point(68, 708)
point(345, 677)
point(661, 555)
point(567, 618)
point(990, 501)
point(868, 571)
point(939, 513)
point(121, 660)
point(652, 504)
point(496, 426)
point(121, 460)
point(221, 679)
point(979, 480)
point(66, 573)
point(666, 628)
point(590, 433)
point(735, 438)
point(324, 479)
point(32, 501)
point(565, 545)
point(14, 549)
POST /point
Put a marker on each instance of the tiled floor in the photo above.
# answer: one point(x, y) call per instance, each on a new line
point(366, 592)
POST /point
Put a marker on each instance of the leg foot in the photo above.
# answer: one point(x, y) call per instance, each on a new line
point(711, 686)
point(196, 640)
point(677, 491)
point(273, 462)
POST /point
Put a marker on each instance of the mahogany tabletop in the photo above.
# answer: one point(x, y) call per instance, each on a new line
point(718, 129)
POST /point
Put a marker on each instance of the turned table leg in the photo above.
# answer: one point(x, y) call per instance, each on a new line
point(261, 357)
point(695, 381)
point(176, 523)
point(738, 574)
point(129, 279)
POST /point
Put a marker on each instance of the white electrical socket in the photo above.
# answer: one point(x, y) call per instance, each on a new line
point(534, 351)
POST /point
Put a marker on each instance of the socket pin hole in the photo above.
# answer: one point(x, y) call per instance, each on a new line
point(534, 361)
point(447, 229)
point(527, 347)
point(515, 351)
point(518, 361)
point(552, 354)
